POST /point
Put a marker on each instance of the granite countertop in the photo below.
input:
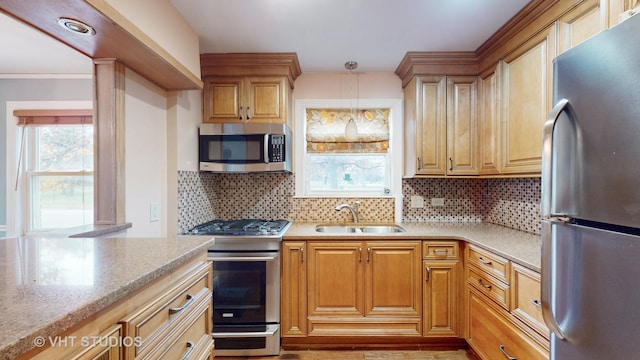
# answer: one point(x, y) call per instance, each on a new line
point(49, 284)
point(518, 246)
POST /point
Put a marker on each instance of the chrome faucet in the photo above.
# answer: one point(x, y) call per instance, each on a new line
point(353, 209)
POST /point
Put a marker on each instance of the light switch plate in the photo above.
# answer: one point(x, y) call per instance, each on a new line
point(154, 212)
point(417, 201)
point(437, 201)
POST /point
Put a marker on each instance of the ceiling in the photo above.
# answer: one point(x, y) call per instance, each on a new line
point(324, 33)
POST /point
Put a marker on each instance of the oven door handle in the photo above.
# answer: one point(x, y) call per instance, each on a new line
point(243, 258)
point(271, 331)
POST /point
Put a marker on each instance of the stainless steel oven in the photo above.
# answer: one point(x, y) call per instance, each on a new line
point(246, 285)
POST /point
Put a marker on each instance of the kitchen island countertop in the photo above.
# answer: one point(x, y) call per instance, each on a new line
point(518, 246)
point(50, 284)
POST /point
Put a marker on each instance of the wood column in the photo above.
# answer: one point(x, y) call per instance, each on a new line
point(109, 91)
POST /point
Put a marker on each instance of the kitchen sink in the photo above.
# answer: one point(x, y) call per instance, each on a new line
point(353, 228)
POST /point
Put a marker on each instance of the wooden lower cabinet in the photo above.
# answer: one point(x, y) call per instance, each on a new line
point(351, 288)
point(364, 288)
point(169, 319)
point(492, 335)
point(441, 298)
point(441, 288)
point(293, 290)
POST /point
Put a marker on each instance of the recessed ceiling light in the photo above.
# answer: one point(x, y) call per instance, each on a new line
point(76, 26)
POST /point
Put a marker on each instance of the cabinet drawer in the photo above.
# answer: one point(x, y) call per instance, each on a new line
point(152, 323)
point(492, 336)
point(526, 299)
point(440, 249)
point(187, 338)
point(496, 290)
point(490, 263)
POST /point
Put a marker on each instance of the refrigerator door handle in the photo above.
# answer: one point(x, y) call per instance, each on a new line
point(547, 156)
point(548, 287)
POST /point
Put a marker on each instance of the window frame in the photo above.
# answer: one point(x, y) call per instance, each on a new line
point(29, 172)
point(395, 152)
point(15, 199)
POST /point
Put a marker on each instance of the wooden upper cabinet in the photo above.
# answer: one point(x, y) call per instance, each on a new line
point(579, 24)
point(266, 99)
point(489, 121)
point(245, 99)
point(620, 9)
point(241, 88)
point(462, 142)
point(428, 157)
point(223, 98)
point(527, 92)
point(440, 123)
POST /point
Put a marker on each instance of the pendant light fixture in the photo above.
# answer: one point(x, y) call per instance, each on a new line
point(351, 129)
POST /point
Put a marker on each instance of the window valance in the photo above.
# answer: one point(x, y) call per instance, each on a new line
point(53, 117)
point(346, 131)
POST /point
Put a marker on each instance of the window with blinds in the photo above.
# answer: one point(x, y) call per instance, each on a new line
point(56, 167)
point(347, 151)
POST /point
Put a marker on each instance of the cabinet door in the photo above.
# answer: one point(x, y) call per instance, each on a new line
point(461, 125)
point(441, 298)
point(489, 121)
point(579, 24)
point(335, 279)
point(431, 125)
point(620, 9)
point(222, 99)
point(393, 278)
point(265, 99)
point(293, 314)
point(527, 92)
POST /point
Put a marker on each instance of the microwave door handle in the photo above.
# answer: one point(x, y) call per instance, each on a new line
point(266, 148)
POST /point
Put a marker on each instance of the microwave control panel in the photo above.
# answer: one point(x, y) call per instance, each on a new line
point(276, 148)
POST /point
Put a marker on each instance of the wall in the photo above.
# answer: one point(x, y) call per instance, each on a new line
point(145, 155)
point(54, 89)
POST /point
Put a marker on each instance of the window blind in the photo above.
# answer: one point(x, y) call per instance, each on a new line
point(344, 131)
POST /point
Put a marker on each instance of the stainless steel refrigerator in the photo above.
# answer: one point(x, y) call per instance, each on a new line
point(591, 199)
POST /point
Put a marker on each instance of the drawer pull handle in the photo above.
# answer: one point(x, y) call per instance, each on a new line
point(440, 251)
point(486, 286)
point(535, 302)
point(506, 354)
point(190, 347)
point(488, 263)
point(173, 310)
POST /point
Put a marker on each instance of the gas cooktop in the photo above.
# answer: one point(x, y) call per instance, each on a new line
point(242, 227)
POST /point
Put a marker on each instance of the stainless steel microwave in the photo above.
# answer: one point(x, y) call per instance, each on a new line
point(230, 147)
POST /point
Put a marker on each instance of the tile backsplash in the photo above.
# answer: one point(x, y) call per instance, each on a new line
point(202, 196)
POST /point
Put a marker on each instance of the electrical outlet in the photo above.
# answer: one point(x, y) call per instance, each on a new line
point(437, 201)
point(154, 212)
point(417, 201)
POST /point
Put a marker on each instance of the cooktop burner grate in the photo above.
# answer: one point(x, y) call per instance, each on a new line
point(240, 227)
